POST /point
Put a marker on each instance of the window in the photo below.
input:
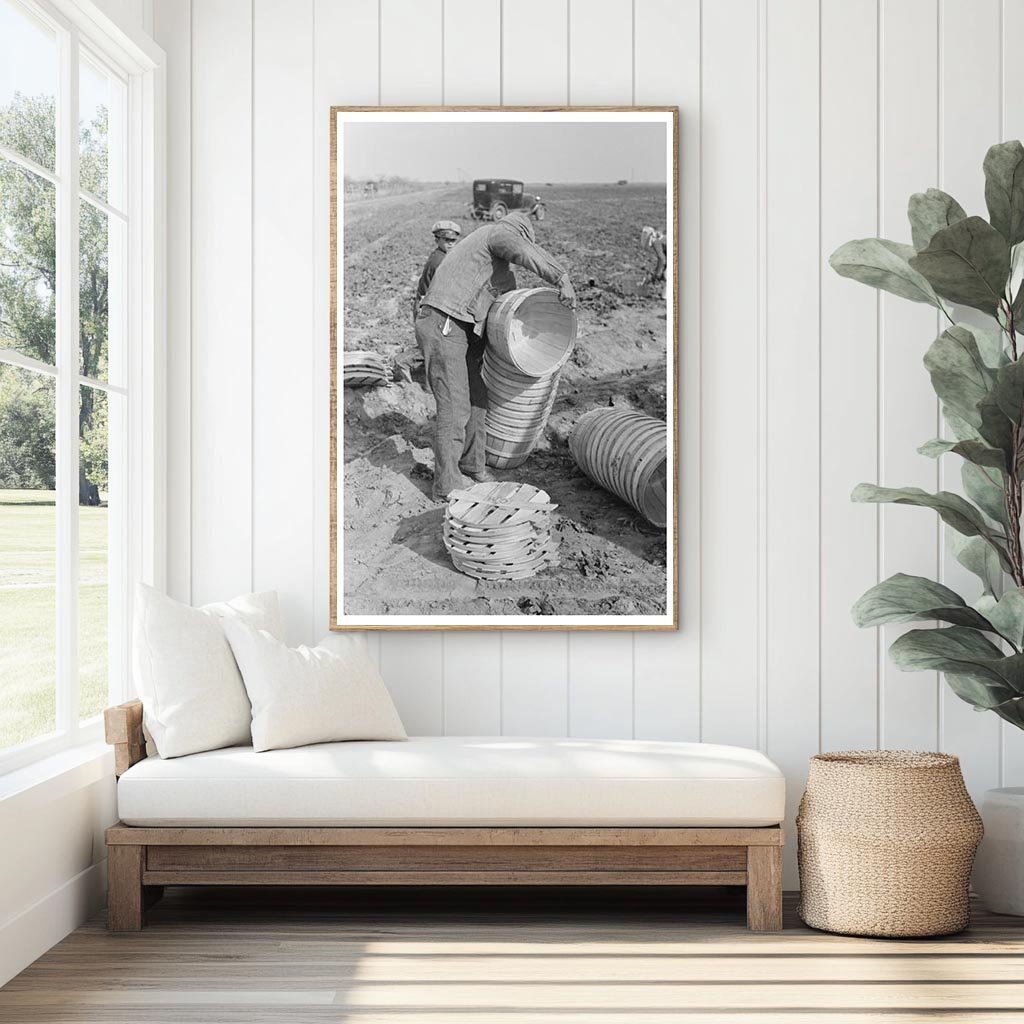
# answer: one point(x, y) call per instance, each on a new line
point(73, 168)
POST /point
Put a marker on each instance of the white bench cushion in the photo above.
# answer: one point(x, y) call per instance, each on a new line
point(459, 780)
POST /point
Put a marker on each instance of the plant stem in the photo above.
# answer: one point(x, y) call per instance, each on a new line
point(1012, 495)
point(1013, 511)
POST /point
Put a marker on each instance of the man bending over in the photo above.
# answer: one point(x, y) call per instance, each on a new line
point(450, 328)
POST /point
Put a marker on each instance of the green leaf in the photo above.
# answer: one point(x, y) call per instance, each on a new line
point(1004, 189)
point(982, 694)
point(960, 428)
point(1009, 390)
point(1017, 309)
point(903, 598)
point(996, 428)
point(985, 487)
point(976, 555)
point(976, 452)
point(1011, 711)
point(964, 652)
point(952, 509)
point(1006, 614)
point(983, 473)
point(1013, 285)
point(930, 212)
point(943, 650)
point(967, 263)
point(883, 264)
point(990, 345)
point(958, 372)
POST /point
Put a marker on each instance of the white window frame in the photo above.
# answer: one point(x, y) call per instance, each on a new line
point(140, 63)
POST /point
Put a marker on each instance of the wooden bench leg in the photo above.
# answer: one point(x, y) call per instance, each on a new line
point(125, 896)
point(764, 888)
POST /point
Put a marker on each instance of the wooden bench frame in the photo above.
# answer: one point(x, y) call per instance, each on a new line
point(142, 860)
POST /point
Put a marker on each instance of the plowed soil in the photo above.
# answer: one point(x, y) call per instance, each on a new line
point(611, 560)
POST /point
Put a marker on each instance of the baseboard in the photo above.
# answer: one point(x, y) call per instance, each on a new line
point(26, 937)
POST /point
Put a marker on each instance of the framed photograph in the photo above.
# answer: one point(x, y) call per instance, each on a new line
point(504, 409)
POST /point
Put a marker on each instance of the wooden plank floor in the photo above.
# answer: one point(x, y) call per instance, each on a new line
point(220, 956)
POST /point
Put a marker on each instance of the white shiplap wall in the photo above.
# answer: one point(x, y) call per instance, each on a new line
point(804, 123)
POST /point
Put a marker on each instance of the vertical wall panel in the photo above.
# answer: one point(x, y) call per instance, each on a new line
point(410, 52)
point(730, 502)
point(535, 678)
point(601, 668)
point(221, 382)
point(745, 74)
point(411, 71)
point(1011, 111)
point(792, 417)
point(909, 414)
point(1008, 50)
point(600, 52)
point(472, 661)
point(173, 30)
point(472, 52)
point(534, 58)
point(472, 684)
point(414, 672)
point(283, 308)
point(344, 54)
point(535, 684)
point(600, 685)
point(666, 666)
point(969, 124)
point(849, 372)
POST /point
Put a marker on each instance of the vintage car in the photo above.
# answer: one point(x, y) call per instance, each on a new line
point(494, 197)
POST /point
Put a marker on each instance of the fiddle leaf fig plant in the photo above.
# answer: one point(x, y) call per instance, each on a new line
point(957, 260)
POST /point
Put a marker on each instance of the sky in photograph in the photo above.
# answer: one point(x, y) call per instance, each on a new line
point(528, 151)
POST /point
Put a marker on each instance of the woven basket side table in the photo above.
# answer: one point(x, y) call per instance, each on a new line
point(886, 841)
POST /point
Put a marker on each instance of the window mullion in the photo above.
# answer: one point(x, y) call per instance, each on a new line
point(30, 165)
point(67, 386)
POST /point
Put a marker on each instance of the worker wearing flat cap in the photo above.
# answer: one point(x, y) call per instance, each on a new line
point(446, 234)
point(450, 333)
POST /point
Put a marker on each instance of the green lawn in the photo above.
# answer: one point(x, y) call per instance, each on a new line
point(28, 617)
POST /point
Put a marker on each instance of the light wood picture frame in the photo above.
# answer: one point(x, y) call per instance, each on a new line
point(578, 530)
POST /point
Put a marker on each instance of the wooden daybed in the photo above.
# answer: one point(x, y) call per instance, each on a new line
point(184, 850)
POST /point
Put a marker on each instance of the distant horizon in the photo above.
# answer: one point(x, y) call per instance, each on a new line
point(484, 177)
point(567, 152)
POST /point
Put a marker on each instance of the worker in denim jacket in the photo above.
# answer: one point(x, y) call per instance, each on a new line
point(450, 332)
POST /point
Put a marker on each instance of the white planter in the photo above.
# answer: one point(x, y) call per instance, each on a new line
point(999, 867)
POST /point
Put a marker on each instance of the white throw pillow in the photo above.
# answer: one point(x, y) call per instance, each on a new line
point(192, 693)
point(348, 645)
point(309, 694)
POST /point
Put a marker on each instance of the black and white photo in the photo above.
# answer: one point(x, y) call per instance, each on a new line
point(504, 414)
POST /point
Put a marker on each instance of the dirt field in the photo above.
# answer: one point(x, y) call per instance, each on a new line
point(611, 561)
